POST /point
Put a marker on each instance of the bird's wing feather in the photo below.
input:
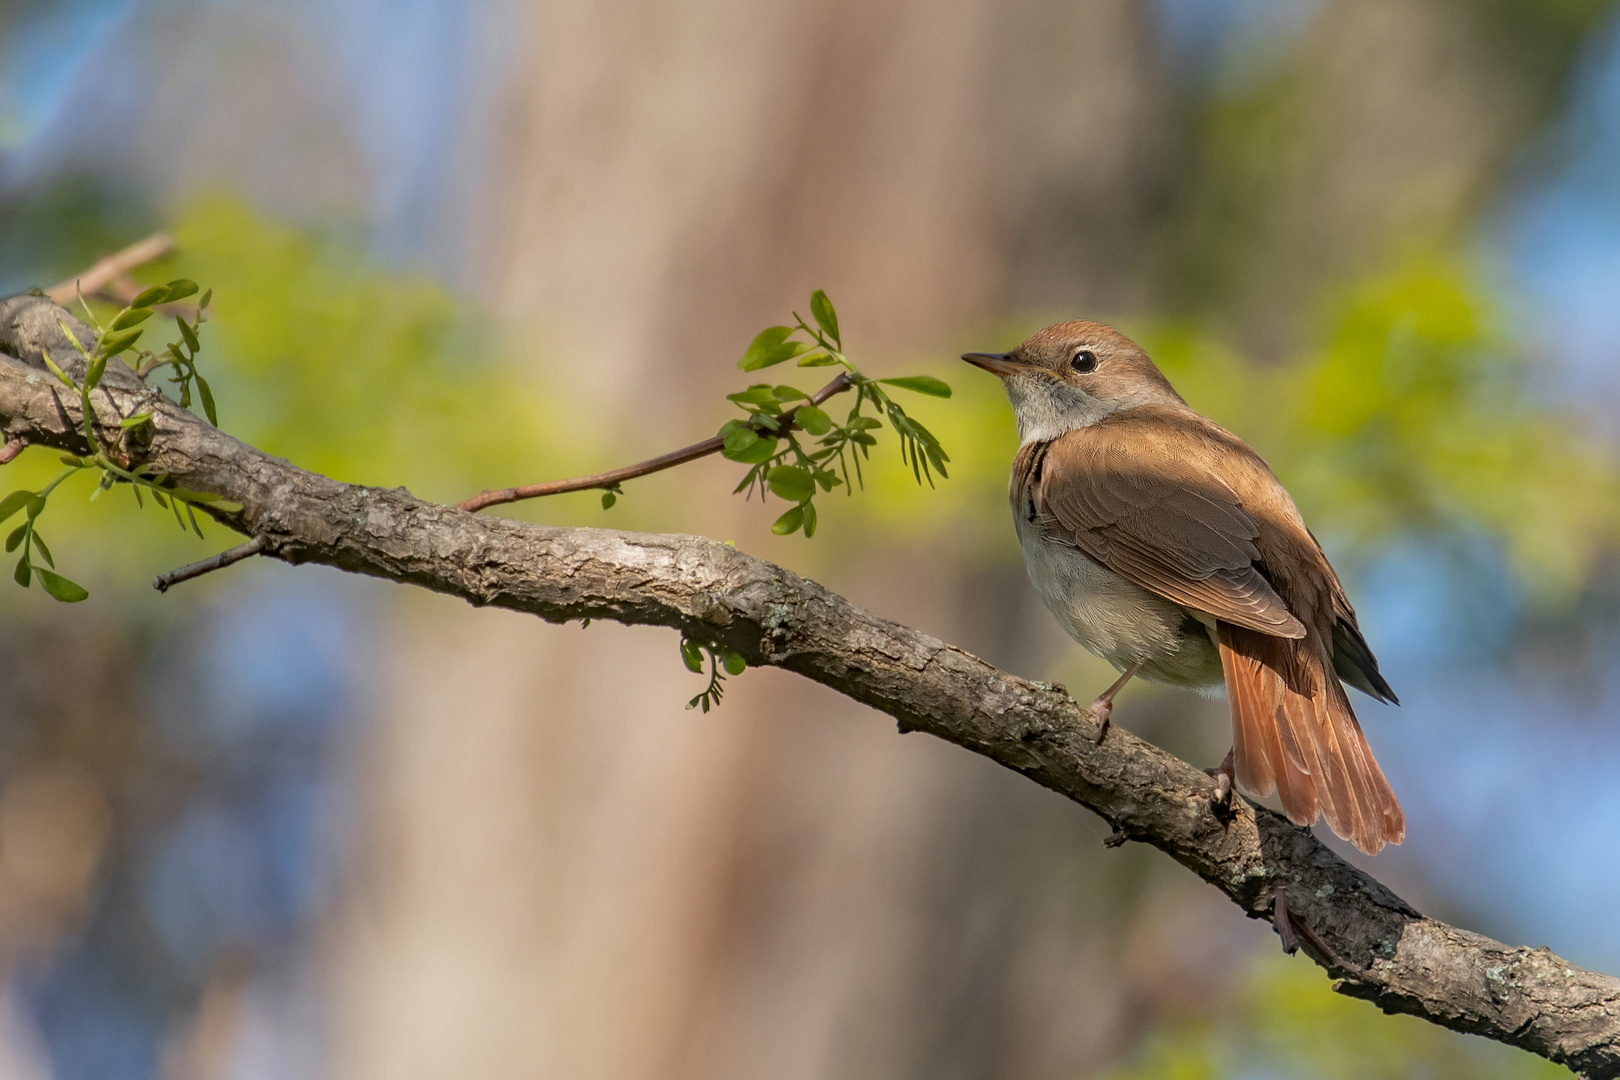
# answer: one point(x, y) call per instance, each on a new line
point(1135, 497)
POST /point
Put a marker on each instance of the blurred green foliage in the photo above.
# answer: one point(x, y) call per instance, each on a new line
point(367, 375)
point(1286, 1021)
point(318, 355)
point(1414, 412)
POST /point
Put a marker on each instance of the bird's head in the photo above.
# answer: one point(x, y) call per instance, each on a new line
point(1073, 374)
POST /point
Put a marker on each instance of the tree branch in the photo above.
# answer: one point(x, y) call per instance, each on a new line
point(1384, 950)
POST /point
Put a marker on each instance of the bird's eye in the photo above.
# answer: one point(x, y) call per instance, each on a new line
point(1084, 361)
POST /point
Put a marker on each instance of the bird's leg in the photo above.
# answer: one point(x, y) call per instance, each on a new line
point(1103, 707)
point(1223, 780)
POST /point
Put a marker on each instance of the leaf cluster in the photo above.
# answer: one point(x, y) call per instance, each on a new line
point(766, 438)
point(721, 662)
point(111, 454)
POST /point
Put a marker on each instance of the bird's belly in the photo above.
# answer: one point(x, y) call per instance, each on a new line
point(1118, 621)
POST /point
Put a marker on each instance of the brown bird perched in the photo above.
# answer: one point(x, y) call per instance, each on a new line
point(1166, 546)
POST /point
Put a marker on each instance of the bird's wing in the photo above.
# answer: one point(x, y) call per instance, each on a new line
point(1137, 493)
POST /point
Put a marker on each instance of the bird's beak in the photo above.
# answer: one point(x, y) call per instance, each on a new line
point(996, 363)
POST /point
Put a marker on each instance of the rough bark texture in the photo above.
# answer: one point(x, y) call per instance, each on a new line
point(1383, 950)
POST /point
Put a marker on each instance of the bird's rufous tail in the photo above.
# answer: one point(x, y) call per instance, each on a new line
point(1293, 732)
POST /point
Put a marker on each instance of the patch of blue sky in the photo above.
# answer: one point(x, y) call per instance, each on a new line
point(92, 1028)
point(1205, 36)
point(1561, 233)
point(417, 81)
point(422, 77)
point(1509, 781)
point(43, 58)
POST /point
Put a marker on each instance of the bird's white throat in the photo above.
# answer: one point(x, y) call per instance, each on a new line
point(1046, 408)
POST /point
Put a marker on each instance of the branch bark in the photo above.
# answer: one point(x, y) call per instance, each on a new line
point(1381, 948)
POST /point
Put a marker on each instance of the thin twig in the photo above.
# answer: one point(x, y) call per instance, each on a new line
point(630, 472)
point(9, 452)
point(214, 562)
point(111, 267)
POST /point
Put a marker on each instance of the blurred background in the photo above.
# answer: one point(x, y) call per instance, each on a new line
point(285, 823)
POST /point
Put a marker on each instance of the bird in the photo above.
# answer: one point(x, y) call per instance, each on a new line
point(1165, 545)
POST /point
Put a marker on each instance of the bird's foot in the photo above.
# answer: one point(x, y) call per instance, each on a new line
point(1222, 799)
point(1103, 707)
point(1102, 711)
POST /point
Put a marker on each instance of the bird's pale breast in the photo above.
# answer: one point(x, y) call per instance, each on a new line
point(1108, 615)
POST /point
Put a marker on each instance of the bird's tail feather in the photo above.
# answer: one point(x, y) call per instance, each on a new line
point(1293, 732)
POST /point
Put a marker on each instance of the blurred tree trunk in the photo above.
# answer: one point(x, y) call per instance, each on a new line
point(669, 179)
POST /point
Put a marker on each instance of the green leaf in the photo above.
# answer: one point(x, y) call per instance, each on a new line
point(151, 296)
point(22, 575)
point(188, 333)
point(74, 338)
point(608, 499)
point(14, 502)
point(760, 451)
point(788, 393)
point(39, 546)
point(758, 394)
point(208, 298)
point(207, 396)
point(826, 317)
point(740, 439)
point(691, 655)
point(126, 423)
point(58, 372)
point(812, 419)
point(764, 344)
point(16, 536)
point(791, 483)
point(116, 341)
point(178, 289)
point(131, 316)
point(93, 373)
point(809, 520)
point(922, 384)
point(735, 664)
point(789, 522)
point(819, 359)
point(60, 587)
point(36, 507)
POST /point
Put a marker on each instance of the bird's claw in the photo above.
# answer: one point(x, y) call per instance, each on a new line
point(1284, 925)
